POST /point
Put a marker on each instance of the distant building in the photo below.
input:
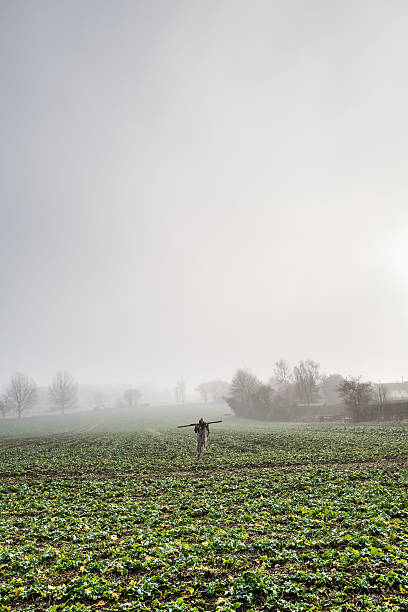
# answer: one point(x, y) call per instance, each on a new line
point(394, 405)
point(396, 391)
point(395, 410)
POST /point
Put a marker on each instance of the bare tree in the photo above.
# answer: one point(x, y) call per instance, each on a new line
point(356, 396)
point(263, 401)
point(380, 396)
point(283, 379)
point(213, 390)
point(244, 386)
point(180, 391)
point(306, 376)
point(249, 398)
point(21, 392)
point(282, 374)
point(4, 406)
point(131, 397)
point(63, 391)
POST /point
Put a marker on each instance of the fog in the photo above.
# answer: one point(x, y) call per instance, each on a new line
point(190, 187)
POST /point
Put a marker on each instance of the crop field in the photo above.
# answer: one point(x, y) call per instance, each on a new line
point(275, 517)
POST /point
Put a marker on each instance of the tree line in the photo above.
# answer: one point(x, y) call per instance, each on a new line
point(291, 393)
point(295, 392)
point(21, 394)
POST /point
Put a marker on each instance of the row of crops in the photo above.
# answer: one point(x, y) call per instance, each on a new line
point(284, 518)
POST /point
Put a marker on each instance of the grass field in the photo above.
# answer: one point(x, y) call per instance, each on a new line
point(113, 512)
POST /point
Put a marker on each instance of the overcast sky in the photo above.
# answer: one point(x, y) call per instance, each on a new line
point(189, 187)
